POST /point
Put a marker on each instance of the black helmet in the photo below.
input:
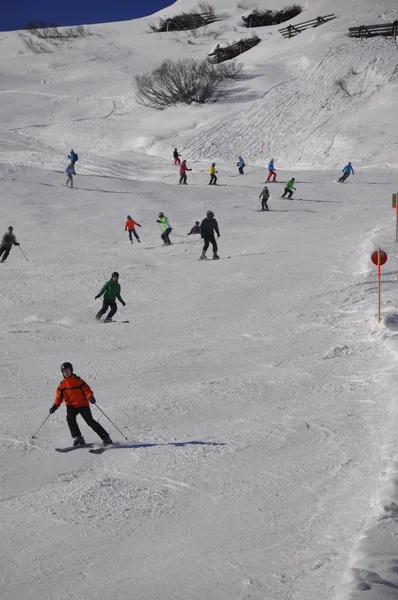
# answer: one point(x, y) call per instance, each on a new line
point(210, 214)
point(160, 214)
point(66, 365)
point(115, 274)
point(293, 179)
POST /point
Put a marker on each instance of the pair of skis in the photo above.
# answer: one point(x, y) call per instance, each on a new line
point(90, 448)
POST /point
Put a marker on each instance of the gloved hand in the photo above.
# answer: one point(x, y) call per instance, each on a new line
point(17, 244)
point(157, 221)
point(96, 297)
point(92, 400)
point(53, 409)
point(123, 303)
point(218, 235)
point(138, 225)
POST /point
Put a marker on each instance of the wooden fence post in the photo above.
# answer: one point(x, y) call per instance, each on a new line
point(250, 21)
point(394, 30)
point(289, 32)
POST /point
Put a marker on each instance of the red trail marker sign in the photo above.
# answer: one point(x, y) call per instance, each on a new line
point(379, 258)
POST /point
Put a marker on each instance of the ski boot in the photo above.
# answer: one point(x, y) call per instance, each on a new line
point(107, 440)
point(78, 441)
point(215, 257)
point(202, 256)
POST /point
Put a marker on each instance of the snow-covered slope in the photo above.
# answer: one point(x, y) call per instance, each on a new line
point(257, 393)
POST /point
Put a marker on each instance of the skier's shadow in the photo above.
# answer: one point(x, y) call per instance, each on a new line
point(178, 444)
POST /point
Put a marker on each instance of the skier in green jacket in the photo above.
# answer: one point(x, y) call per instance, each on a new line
point(166, 228)
point(111, 291)
point(289, 187)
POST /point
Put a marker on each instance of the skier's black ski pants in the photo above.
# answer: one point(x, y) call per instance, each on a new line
point(85, 412)
point(288, 192)
point(6, 252)
point(264, 204)
point(344, 177)
point(165, 235)
point(241, 171)
point(210, 239)
point(183, 178)
point(105, 305)
point(213, 180)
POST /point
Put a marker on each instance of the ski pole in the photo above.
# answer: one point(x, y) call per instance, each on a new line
point(110, 421)
point(143, 232)
point(120, 237)
point(23, 253)
point(193, 175)
point(33, 436)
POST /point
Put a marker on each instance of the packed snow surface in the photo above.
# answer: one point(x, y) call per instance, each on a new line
point(257, 393)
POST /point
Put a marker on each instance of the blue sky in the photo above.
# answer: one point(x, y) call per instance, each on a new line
point(16, 15)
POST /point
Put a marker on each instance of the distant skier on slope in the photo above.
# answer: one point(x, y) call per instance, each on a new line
point(241, 165)
point(289, 189)
point(195, 229)
point(264, 198)
point(346, 173)
point(176, 157)
point(7, 242)
point(183, 172)
point(78, 396)
point(271, 171)
point(73, 157)
point(130, 227)
point(208, 226)
point(213, 176)
point(70, 171)
point(111, 290)
point(166, 227)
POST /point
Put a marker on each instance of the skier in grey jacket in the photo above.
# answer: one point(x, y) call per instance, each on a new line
point(8, 241)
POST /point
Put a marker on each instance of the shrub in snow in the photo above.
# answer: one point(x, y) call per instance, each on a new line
point(261, 18)
point(185, 21)
point(40, 37)
point(182, 82)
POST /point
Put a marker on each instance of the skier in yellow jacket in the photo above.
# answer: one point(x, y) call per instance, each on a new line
point(213, 177)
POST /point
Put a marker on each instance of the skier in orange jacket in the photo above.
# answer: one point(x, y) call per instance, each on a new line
point(78, 396)
point(130, 227)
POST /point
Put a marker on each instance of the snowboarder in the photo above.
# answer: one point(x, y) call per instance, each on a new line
point(271, 171)
point(346, 173)
point(289, 187)
point(213, 176)
point(208, 226)
point(176, 157)
point(73, 157)
point(111, 290)
point(167, 229)
point(195, 229)
point(78, 396)
point(264, 198)
point(130, 227)
point(70, 171)
point(241, 165)
point(183, 172)
point(8, 241)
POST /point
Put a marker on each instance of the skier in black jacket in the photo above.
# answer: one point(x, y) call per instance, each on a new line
point(208, 226)
point(8, 241)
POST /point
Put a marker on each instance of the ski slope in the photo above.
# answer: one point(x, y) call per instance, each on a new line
point(257, 393)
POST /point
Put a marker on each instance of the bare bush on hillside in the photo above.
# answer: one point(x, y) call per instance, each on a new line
point(35, 46)
point(182, 82)
point(206, 7)
point(52, 32)
point(341, 84)
point(41, 38)
point(230, 70)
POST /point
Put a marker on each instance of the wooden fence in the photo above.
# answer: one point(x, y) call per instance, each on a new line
point(228, 52)
point(266, 18)
point(291, 30)
point(386, 29)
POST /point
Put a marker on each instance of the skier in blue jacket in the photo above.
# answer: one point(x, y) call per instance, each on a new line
point(271, 170)
point(240, 164)
point(346, 173)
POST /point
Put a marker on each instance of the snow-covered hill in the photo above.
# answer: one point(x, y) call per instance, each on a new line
point(257, 393)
